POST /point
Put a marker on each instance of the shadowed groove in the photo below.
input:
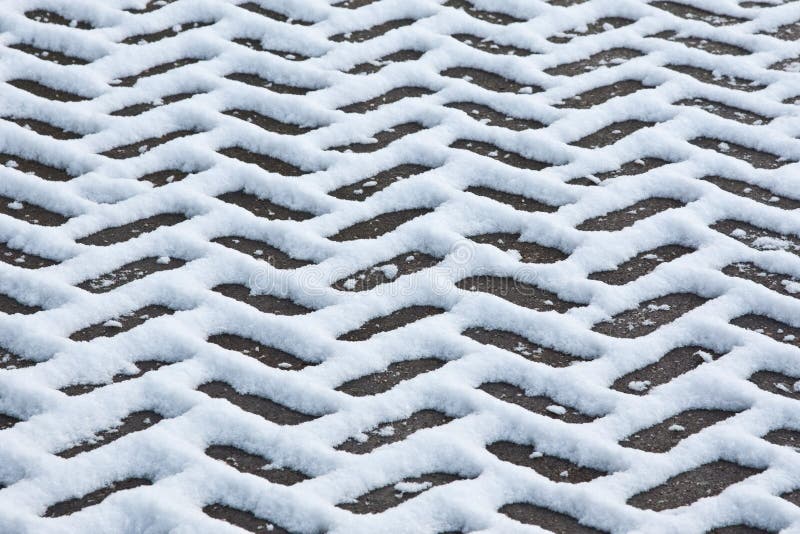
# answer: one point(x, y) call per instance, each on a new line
point(375, 65)
point(93, 498)
point(517, 292)
point(122, 323)
point(552, 521)
point(254, 464)
point(133, 79)
point(538, 404)
point(379, 225)
point(12, 306)
point(260, 406)
point(266, 162)
point(30, 213)
point(242, 519)
point(35, 167)
point(607, 58)
point(496, 153)
point(55, 56)
point(142, 367)
point(489, 80)
point(518, 344)
point(19, 258)
point(365, 188)
point(263, 302)
point(386, 271)
point(715, 78)
point(640, 265)
point(134, 422)
point(381, 499)
point(269, 356)
point(124, 232)
point(625, 217)
point(707, 45)
point(671, 365)
point(52, 17)
point(257, 81)
point(394, 374)
point(495, 17)
point(553, 467)
point(358, 36)
point(650, 315)
point(392, 321)
point(665, 435)
point(394, 431)
point(262, 250)
point(704, 481)
point(390, 97)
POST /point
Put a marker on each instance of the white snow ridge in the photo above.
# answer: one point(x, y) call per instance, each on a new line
point(399, 266)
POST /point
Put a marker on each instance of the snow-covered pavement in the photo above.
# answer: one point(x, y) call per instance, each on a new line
point(399, 266)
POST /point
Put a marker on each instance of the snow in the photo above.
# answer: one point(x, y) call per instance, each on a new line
point(791, 286)
point(412, 487)
point(350, 283)
point(639, 385)
point(389, 270)
point(106, 193)
point(385, 431)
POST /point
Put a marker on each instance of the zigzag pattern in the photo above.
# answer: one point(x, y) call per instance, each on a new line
point(399, 266)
